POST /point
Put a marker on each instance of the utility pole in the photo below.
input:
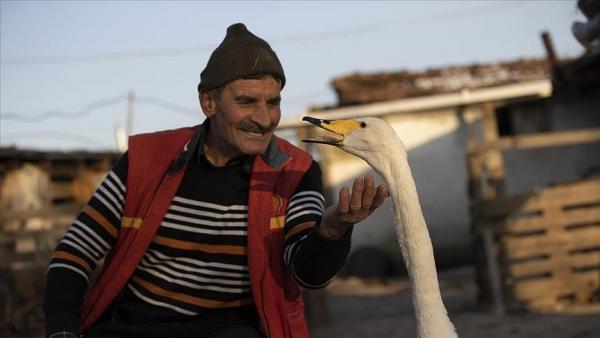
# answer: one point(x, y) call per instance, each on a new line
point(557, 71)
point(120, 138)
point(130, 102)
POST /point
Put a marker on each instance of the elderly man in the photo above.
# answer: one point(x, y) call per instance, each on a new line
point(207, 231)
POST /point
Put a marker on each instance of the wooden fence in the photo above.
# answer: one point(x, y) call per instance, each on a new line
point(547, 244)
point(540, 250)
point(40, 195)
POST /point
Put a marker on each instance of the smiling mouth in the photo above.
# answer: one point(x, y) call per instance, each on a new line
point(337, 140)
point(253, 135)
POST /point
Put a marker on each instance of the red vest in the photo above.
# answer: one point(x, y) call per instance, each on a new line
point(152, 184)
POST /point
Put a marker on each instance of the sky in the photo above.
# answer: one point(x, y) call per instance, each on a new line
point(66, 68)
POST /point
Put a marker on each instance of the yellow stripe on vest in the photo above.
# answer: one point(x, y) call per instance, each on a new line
point(131, 222)
point(277, 222)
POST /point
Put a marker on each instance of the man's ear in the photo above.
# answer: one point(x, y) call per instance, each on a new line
point(207, 103)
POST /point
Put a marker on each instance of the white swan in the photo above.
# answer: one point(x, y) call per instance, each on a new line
point(375, 141)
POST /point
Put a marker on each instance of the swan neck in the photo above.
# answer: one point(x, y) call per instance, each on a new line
point(417, 250)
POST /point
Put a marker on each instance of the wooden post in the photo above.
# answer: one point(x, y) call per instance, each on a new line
point(493, 188)
point(486, 182)
point(493, 270)
point(552, 57)
point(493, 164)
point(550, 52)
point(475, 191)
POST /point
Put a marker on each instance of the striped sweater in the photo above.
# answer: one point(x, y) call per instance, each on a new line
point(197, 260)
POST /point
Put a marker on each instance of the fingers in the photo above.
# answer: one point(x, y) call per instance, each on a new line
point(363, 199)
point(368, 192)
point(344, 200)
point(380, 195)
point(357, 194)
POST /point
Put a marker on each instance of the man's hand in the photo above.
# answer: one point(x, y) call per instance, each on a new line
point(352, 208)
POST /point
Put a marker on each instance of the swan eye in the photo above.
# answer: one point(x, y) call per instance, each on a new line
point(363, 124)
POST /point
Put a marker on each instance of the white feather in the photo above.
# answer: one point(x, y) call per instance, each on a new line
point(382, 149)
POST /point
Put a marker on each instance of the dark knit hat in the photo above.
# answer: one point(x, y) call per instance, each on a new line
point(240, 54)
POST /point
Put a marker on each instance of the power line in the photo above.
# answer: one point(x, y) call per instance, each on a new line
point(168, 52)
point(135, 54)
point(288, 39)
point(62, 114)
point(151, 100)
point(168, 105)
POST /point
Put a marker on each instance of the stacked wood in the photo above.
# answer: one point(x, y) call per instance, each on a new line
point(548, 244)
point(539, 251)
point(40, 195)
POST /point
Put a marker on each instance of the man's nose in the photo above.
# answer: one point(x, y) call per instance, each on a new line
point(262, 115)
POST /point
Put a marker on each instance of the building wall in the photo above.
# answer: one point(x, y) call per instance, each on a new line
point(527, 170)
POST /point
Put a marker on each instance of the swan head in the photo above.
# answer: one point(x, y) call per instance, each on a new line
point(367, 137)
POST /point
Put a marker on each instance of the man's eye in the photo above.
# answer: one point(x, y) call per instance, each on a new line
point(275, 102)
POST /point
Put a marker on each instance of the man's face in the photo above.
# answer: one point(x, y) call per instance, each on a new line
point(244, 115)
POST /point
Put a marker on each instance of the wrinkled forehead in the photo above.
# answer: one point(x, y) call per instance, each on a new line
point(266, 85)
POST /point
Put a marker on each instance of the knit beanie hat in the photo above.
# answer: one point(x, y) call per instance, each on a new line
point(240, 54)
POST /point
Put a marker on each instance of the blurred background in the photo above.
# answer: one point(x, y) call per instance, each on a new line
point(498, 103)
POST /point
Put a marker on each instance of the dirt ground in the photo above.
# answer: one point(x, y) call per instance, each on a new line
point(358, 309)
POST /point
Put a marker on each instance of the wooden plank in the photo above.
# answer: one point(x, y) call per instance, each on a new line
point(475, 187)
point(65, 170)
point(573, 238)
point(50, 236)
point(31, 246)
point(559, 191)
point(560, 270)
point(517, 248)
point(526, 204)
point(61, 190)
point(66, 210)
point(540, 140)
point(543, 222)
point(556, 262)
point(493, 163)
point(588, 281)
point(587, 192)
point(25, 245)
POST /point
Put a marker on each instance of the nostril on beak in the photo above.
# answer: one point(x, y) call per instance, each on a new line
point(311, 120)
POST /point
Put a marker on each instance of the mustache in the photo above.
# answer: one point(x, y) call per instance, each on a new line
point(253, 127)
